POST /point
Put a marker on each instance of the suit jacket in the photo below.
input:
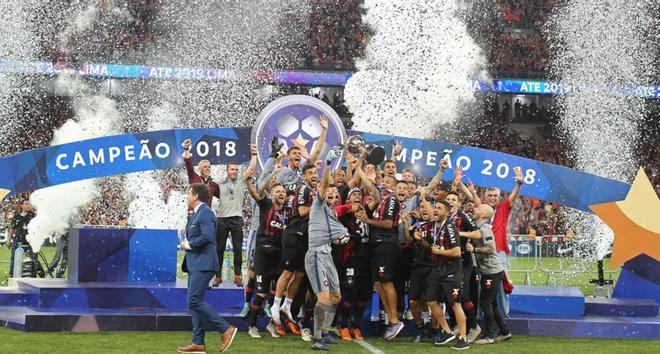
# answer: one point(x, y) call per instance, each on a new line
point(200, 233)
point(193, 177)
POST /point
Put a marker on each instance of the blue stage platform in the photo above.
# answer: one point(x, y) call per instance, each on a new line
point(58, 305)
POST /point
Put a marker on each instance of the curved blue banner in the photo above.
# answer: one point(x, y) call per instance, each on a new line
point(112, 155)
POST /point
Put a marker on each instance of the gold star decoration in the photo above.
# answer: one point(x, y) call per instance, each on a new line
point(635, 222)
point(301, 143)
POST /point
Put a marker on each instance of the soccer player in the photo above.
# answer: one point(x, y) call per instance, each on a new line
point(444, 281)
point(294, 246)
point(355, 265)
point(294, 241)
point(491, 276)
point(421, 267)
point(274, 160)
point(324, 228)
point(467, 230)
point(291, 175)
point(406, 251)
point(267, 255)
point(384, 243)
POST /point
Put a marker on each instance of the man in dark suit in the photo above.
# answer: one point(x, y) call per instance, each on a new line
point(201, 263)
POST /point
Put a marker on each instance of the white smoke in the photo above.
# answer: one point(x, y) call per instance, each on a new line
point(416, 70)
point(149, 206)
point(597, 44)
point(55, 206)
point(95, 116)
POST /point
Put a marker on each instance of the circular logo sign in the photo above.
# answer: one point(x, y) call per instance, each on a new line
point(524, 248)
point(296, 121)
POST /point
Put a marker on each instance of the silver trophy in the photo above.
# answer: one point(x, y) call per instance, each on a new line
point(374, 154)
point(447, 154)
point(354, 143)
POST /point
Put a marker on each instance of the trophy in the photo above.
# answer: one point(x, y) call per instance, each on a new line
point(354, 143)
point(374, 154)
point(447, 153)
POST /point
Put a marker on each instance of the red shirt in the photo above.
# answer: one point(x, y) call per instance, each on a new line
point(193, 177)
point(500, 222)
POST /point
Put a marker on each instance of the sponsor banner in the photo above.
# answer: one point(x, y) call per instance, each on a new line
point(294, 120)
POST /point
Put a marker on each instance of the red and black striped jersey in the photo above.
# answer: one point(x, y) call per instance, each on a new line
point(272, 223)
point(304, 197)
point(446, 235)
point(423, 254)
point(387, 209)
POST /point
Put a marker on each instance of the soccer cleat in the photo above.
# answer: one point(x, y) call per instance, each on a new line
point(280, 330)
point(330, 338)
point(275, 314)
point(443, 338)
point(293, 328)
point(460, 344)
point(393, 331)
point(254, 332)
point(484, 340)
point(272, 330)
point(245, 311)
point(473, 334)
point(504, 337)
point(318, 344)
point(357, 334)
point(345, 334)
point(306, 335)
point(455, 330)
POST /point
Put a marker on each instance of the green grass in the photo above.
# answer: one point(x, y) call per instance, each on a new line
point(166, 342)
point(537, 277)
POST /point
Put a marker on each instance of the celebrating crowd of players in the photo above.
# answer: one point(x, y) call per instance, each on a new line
point(319, 246)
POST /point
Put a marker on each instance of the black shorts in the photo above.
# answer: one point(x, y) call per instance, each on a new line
point(443, 287)
point(383, 261)
point(355, 274)
point(468, 285)
point(418, 276)
point(403, 269)
point(294, 248)
point(266, 267)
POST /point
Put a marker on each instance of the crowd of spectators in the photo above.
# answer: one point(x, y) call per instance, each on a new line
point(336, 37)
point(126, 32)
point(336, 34)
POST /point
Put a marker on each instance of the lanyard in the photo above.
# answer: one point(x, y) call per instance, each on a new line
point(281, 215)
point(230, 186)
point(442, 232)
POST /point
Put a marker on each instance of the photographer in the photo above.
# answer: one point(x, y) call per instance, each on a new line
point(18, 230)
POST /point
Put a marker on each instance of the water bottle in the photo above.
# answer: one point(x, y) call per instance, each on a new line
point(18, 262)
point(226, 270)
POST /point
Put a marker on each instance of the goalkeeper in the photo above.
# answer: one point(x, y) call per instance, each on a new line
point(324, 228)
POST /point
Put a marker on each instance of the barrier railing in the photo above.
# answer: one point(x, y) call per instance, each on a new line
point(523, 256)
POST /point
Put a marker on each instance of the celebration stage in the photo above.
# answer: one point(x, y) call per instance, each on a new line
point(59, 305)
point(125, 280)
